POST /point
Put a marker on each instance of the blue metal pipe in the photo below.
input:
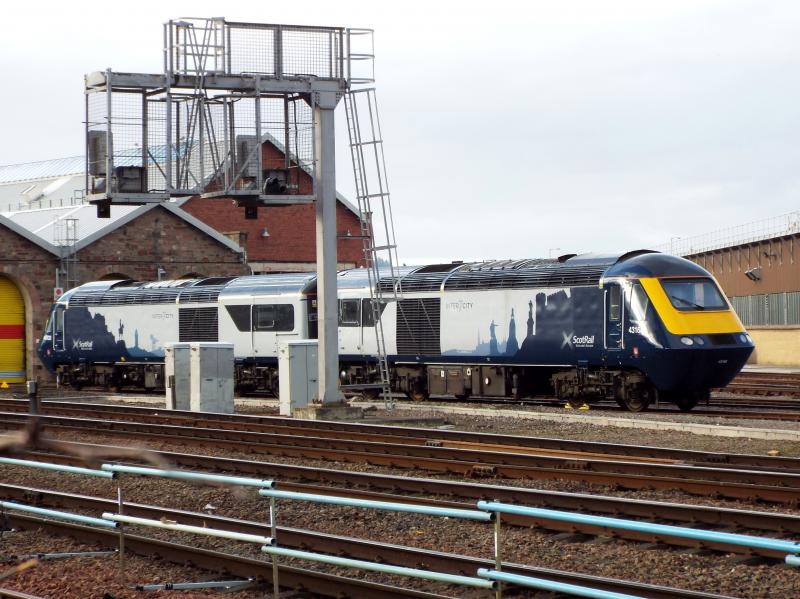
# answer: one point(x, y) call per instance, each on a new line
point(711, 536)
point(190, 476)
point(21, 507)
point(345, 562)
point(56, 467)
point(552, 586)
point(200, 530)
point(390, 506)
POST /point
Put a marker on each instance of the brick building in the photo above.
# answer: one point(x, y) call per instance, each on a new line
point(143, 243)
point(50, 238)
point(758, 268)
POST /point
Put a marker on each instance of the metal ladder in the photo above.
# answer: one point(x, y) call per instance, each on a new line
point(369, 169)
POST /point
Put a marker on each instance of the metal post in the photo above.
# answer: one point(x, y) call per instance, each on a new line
point(325, 188)
point(109, 138)
point(259, 158)
point(121, 533)
point(498, 560)
point(33, 396)
point(276, 589)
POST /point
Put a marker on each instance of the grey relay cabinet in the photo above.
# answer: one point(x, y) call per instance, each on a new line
point(297, 375)
point(211, 385)
point(176, 373)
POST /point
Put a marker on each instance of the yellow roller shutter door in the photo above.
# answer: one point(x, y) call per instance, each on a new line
point(12, 333)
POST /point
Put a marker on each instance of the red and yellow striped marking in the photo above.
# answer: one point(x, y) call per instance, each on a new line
point(12, 333)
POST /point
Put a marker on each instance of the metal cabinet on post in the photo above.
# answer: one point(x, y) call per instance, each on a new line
point(297, 374)
point(176, 373)
point(211, 366)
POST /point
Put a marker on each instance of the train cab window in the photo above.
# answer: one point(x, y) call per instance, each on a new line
point(614, 303)
point(639, 302)
point(367, 319)
point(273, 317)
point(694, 294)
point(349, 313)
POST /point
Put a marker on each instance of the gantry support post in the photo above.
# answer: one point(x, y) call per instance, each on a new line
point(325, 191)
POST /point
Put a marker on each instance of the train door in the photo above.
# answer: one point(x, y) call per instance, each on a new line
point(350, 331)
point(613, 313)
point(58, 329)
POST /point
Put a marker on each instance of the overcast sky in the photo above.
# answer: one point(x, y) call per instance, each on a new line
point(510, 129)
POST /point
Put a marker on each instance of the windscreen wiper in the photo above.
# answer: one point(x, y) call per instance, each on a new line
point(687, 302)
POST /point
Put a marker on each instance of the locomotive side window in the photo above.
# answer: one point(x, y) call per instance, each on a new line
point(240, 316)
point(273, 317)
point(614, 303)
point(694, 294)
point(349, 313)
point(366, 312)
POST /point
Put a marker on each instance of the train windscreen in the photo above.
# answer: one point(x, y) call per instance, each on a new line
point(694, 294)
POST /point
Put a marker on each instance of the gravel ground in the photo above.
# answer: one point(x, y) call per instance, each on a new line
point(715, 573)
point(93, 577)
point(712, 573)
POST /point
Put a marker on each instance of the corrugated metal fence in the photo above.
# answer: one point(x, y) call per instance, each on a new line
point(768, 309)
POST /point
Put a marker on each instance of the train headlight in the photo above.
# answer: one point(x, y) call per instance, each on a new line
point(687, 341)
point(699, 340)
point(743, 338)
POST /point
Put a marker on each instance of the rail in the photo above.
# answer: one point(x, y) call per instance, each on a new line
point(487, 511)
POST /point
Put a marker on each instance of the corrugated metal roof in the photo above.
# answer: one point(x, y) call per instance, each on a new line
point(43, 169)
point(42, 193)
point(48, 223)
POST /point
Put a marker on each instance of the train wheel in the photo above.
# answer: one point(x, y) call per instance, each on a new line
point(687, 401)
point(637, 400)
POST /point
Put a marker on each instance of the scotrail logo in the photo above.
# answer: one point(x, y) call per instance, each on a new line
point(572, 341)
point(82, 345)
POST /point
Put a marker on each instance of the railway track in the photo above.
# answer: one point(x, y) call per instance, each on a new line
point(757, 481)
point(327, 584)
point(461, 494)
point(783, 384)
point(397, 434)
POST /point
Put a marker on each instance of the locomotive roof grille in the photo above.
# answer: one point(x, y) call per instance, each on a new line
point(130, 296)
point(537, 276)
point(502, 275)
point(200, 295)
point(124, 297)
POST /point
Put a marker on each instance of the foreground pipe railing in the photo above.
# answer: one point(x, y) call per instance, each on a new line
point(383, 568)
point(189, 476)
point(390, 506)
point(69, 517)
point(552, 585)
point(57, 467)
point(791, 548)
point(200, 530)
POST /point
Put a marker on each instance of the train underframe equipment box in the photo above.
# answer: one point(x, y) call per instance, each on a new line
point(177, 377)
point(297, 374)
point(211, 377)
